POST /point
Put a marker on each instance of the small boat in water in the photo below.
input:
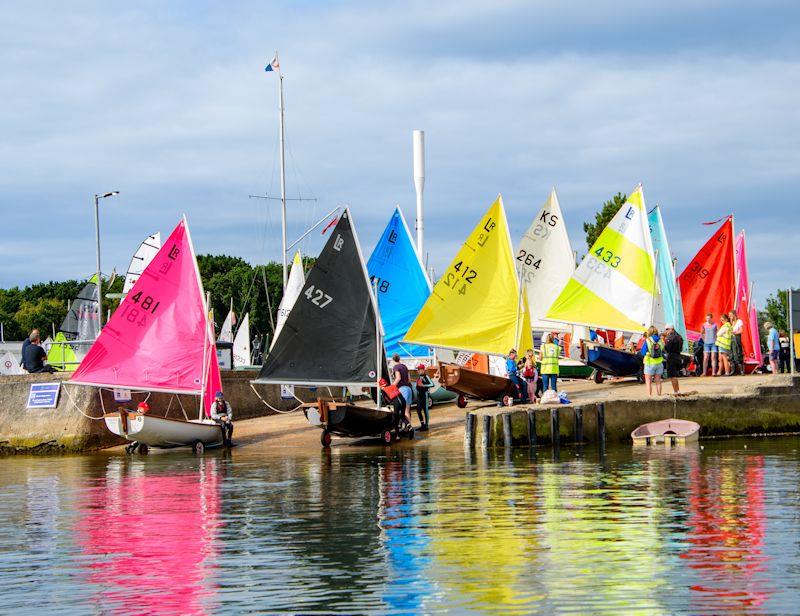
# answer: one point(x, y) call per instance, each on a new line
point(160, 340)
point(666, 431)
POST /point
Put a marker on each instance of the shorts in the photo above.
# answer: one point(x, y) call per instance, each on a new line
point(674, 369)
point(710, 347)
point(654, 369)
point(773, 355)
point(405, 391)
point(724, 351)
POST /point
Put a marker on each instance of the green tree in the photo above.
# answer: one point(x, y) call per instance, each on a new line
point(39, 314)
point(776, 310)
point(602, 218)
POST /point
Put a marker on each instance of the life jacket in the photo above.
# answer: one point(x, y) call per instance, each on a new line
point(724, 336)
point(550, 354)
point(655, 352)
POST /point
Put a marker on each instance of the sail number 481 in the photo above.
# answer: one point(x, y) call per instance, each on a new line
point(318, 297)
point(138, 314)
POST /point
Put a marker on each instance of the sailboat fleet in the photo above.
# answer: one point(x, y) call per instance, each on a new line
point(338, 322)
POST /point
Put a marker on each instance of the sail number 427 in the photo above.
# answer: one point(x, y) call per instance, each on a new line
point(318, 297)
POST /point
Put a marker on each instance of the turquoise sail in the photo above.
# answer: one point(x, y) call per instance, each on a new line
point(397, 273)
point(670, 292)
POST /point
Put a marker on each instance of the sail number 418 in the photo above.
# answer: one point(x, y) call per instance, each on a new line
point(318, 297)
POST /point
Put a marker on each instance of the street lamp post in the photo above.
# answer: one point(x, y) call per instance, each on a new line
point(97, 239)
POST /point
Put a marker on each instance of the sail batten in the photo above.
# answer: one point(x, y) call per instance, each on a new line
point(141, 259)
point(615, 286)
point(478, 303)
point(395, 270)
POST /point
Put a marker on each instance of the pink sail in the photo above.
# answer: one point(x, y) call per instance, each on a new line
point(746, 311)
point(158, 337)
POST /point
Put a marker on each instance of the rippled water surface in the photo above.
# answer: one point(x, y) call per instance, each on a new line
point(425, 529)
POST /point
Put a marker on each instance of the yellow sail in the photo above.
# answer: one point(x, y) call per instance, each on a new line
point(614, 286)
point(477, 304)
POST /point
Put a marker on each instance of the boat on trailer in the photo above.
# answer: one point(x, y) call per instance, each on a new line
point(666, 432)
point(332, 337)
point(611, 361)
point(165, 308)
point(474, 384)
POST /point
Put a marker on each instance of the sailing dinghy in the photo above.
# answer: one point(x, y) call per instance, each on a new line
point(614, 288)
point(160, 340)
point(332, 338)
point(477, 305)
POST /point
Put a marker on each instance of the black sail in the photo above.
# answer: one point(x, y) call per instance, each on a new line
point(329, 337)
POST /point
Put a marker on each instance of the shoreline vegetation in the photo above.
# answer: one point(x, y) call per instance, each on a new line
point(44, 305)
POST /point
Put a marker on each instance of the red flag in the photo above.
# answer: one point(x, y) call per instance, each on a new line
point(330, 224)
point(707, 283)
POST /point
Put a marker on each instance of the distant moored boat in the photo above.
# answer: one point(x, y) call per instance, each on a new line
point(667, 431)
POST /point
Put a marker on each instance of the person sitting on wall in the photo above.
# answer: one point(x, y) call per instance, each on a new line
point(34, 356)
point(25, 344)
point(222, 413)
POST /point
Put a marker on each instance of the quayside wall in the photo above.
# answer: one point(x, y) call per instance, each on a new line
point(764, 408)
point(75, 424)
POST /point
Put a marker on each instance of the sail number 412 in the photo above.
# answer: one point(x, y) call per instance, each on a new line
point(318, 297)
point(463, 272)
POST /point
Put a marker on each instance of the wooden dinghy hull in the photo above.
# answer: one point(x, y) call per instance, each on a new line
point(163, 432)
point(667, 432)
point(351, 420)
point(475, 384)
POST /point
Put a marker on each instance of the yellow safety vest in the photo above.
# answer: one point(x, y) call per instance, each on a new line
point(550, 354)
point(653, 361)
point(724, 337)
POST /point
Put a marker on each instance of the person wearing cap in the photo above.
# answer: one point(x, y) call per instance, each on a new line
point(424, 385)
point(222, 413)
point(673, 345)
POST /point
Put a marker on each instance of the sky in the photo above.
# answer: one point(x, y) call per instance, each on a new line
point(169, 104)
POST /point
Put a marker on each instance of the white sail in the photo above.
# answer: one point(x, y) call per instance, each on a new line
point(241, 344)
point(545, 262)
point(293, 288)
point(226, 331)
point(615, 286)
point(141, 259)
point(9, 364)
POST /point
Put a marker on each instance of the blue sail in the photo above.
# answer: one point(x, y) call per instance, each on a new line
point(670, 292)
point(402, 285)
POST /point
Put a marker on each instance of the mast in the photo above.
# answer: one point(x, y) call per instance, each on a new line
point(283, 177)
point(419, 183)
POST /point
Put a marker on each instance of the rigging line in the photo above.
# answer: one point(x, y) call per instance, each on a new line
point(269, 406)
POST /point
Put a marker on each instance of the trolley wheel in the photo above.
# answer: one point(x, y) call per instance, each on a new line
point(325, 438)
point(598, 377)
point(640, 376)
point(198, 448)
point(142, 449)
point(128, 449)
point(508, 401)
point(387, 437)
point(461, 401)
point(410, 434)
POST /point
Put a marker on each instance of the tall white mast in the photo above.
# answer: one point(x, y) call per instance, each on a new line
point(419, 184)
point(283, 178)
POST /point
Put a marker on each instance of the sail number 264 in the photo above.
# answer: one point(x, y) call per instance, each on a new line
point(317, 296)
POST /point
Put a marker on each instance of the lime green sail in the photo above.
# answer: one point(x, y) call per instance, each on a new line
point(614, 287)
point(61, 356)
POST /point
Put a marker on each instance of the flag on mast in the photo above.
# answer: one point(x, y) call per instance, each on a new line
point(273, 65)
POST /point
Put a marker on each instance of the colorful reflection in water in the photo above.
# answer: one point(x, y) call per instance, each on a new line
point(422, 530)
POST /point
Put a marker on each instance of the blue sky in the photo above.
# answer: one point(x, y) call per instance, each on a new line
point(168, 103)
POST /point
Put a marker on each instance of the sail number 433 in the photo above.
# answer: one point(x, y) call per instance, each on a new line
point(463, 276)
point(317, 296)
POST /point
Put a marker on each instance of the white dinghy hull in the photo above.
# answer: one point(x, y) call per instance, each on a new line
point(667, 432)
point(162, 432)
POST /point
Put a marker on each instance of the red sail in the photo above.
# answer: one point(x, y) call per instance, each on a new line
point(707, 283)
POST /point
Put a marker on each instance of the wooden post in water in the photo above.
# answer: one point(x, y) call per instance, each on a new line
point(469, 431)
point(532, 427)
point(508, 440)
point(601, 424)
point(487, 432)
point(555, 429)
point(579, 424)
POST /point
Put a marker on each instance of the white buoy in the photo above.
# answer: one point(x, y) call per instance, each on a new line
point(419, 184)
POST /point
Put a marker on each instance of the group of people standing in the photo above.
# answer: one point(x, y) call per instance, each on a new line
point(400, 395)
point(722, 345)
point(661, 354)
point(532, 382)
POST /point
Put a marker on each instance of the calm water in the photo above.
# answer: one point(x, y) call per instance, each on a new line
point(405, 531)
